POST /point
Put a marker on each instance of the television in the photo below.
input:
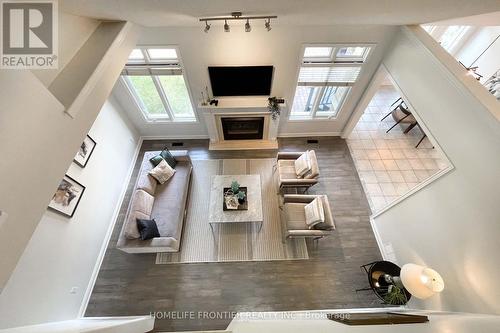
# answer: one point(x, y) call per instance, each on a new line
point(241, 80)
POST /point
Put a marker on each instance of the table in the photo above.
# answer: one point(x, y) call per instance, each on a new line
point(253, 214)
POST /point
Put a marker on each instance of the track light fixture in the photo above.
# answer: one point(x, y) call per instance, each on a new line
point(238, 16)
point(207, 27)
point(268, 25)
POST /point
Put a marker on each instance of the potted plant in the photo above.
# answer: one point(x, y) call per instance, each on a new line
point(241, 197)
point(235, 186)
point(395, 296)
point(274, 107)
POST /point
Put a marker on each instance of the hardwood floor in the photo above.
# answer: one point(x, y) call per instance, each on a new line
point(131, 284)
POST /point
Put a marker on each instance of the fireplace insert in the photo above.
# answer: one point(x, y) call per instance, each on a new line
point(243, 128)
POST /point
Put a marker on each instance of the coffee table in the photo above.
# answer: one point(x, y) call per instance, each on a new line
point(253, 214)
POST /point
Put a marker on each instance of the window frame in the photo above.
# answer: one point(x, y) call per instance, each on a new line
point(306, 62)
point(169, 113)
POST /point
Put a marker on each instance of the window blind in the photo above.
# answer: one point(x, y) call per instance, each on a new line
point(151, 69)
point(328, 75)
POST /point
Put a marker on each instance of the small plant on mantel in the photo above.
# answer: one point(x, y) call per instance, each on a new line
point(274, 107)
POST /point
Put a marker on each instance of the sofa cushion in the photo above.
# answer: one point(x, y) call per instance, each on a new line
point(314, 213)
point(146, 182)
point(314, 172)
point(142, 202)
point(168, 208)
point(286, 169)
point(328, 224)
point(130, 228)
point(162, 172)
point(295, 216)
point(155, 160)
point(167, 156)
point(147, 228)
point(302, 165)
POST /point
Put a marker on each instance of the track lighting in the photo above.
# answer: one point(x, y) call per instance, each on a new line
point(238, 16)
point(268, 25)
point(248, 28)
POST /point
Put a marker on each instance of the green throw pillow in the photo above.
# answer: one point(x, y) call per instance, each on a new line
point(155, 160)
point(167, 156)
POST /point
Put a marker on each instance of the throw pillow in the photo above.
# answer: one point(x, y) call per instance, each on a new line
point(167, 156)
point(302, 165)
point(328, 223)
point(162, 172)
point(147, 228)
point(314, 213)
point(155, 160)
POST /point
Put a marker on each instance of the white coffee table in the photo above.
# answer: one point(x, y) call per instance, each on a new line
point(217, 215)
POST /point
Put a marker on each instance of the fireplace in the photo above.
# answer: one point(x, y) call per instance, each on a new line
point(243, 128)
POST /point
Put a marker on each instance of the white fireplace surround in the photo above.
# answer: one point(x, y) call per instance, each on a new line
point(240, 107)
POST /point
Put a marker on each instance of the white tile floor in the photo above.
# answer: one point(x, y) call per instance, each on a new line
point(388, 164)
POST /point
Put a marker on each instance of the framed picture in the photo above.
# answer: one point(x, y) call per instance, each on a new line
point(493, 84)
point(86, 149)
point(67, 196)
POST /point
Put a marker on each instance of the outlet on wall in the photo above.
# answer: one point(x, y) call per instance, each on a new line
point(73, 290)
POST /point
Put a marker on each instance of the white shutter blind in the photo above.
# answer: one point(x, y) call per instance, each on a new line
point(151, 70)
point(328, 75)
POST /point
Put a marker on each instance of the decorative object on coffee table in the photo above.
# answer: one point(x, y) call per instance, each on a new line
point(232, 199)
point(86, 149)
point(67, 196)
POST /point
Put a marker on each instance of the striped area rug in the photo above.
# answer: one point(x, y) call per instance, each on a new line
point(233, 242)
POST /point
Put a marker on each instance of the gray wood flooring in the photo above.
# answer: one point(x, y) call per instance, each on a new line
point(131, 284)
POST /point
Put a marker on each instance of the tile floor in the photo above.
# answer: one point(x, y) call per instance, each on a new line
point(388, 164)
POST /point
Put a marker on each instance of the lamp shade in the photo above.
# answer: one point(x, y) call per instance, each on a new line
point(420, 281)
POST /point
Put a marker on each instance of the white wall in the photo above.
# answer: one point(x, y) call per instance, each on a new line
point(76, 30)
point(279, 47)
point(489, 62)
point(62, 252)
point(38, 140)
point(451, 225)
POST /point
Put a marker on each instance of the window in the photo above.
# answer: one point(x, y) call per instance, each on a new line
point(155, 79)
point(326, 76)
point(452, 36)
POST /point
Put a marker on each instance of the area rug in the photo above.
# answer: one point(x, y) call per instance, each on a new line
point(233, 242)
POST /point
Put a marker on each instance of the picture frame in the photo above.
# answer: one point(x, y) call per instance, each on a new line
point(493, 84)
point(87, 147)
point(67, 197)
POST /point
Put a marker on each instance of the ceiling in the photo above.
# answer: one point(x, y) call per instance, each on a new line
point(489, 19)
point(291, 12)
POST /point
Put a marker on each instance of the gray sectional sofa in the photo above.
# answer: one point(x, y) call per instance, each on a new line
point(165, 203)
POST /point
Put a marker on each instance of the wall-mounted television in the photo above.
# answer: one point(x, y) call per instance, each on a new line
point(241, 80)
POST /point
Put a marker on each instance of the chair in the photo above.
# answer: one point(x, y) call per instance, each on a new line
point(293, 218)
point(285, 168)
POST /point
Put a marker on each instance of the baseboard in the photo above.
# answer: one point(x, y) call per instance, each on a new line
point(310, 134)
point(175, 137)
point(109, 232)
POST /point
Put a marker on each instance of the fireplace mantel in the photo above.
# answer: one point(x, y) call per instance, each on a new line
point(239, 107)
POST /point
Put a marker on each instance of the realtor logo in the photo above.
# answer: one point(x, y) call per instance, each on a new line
point(29, 34)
